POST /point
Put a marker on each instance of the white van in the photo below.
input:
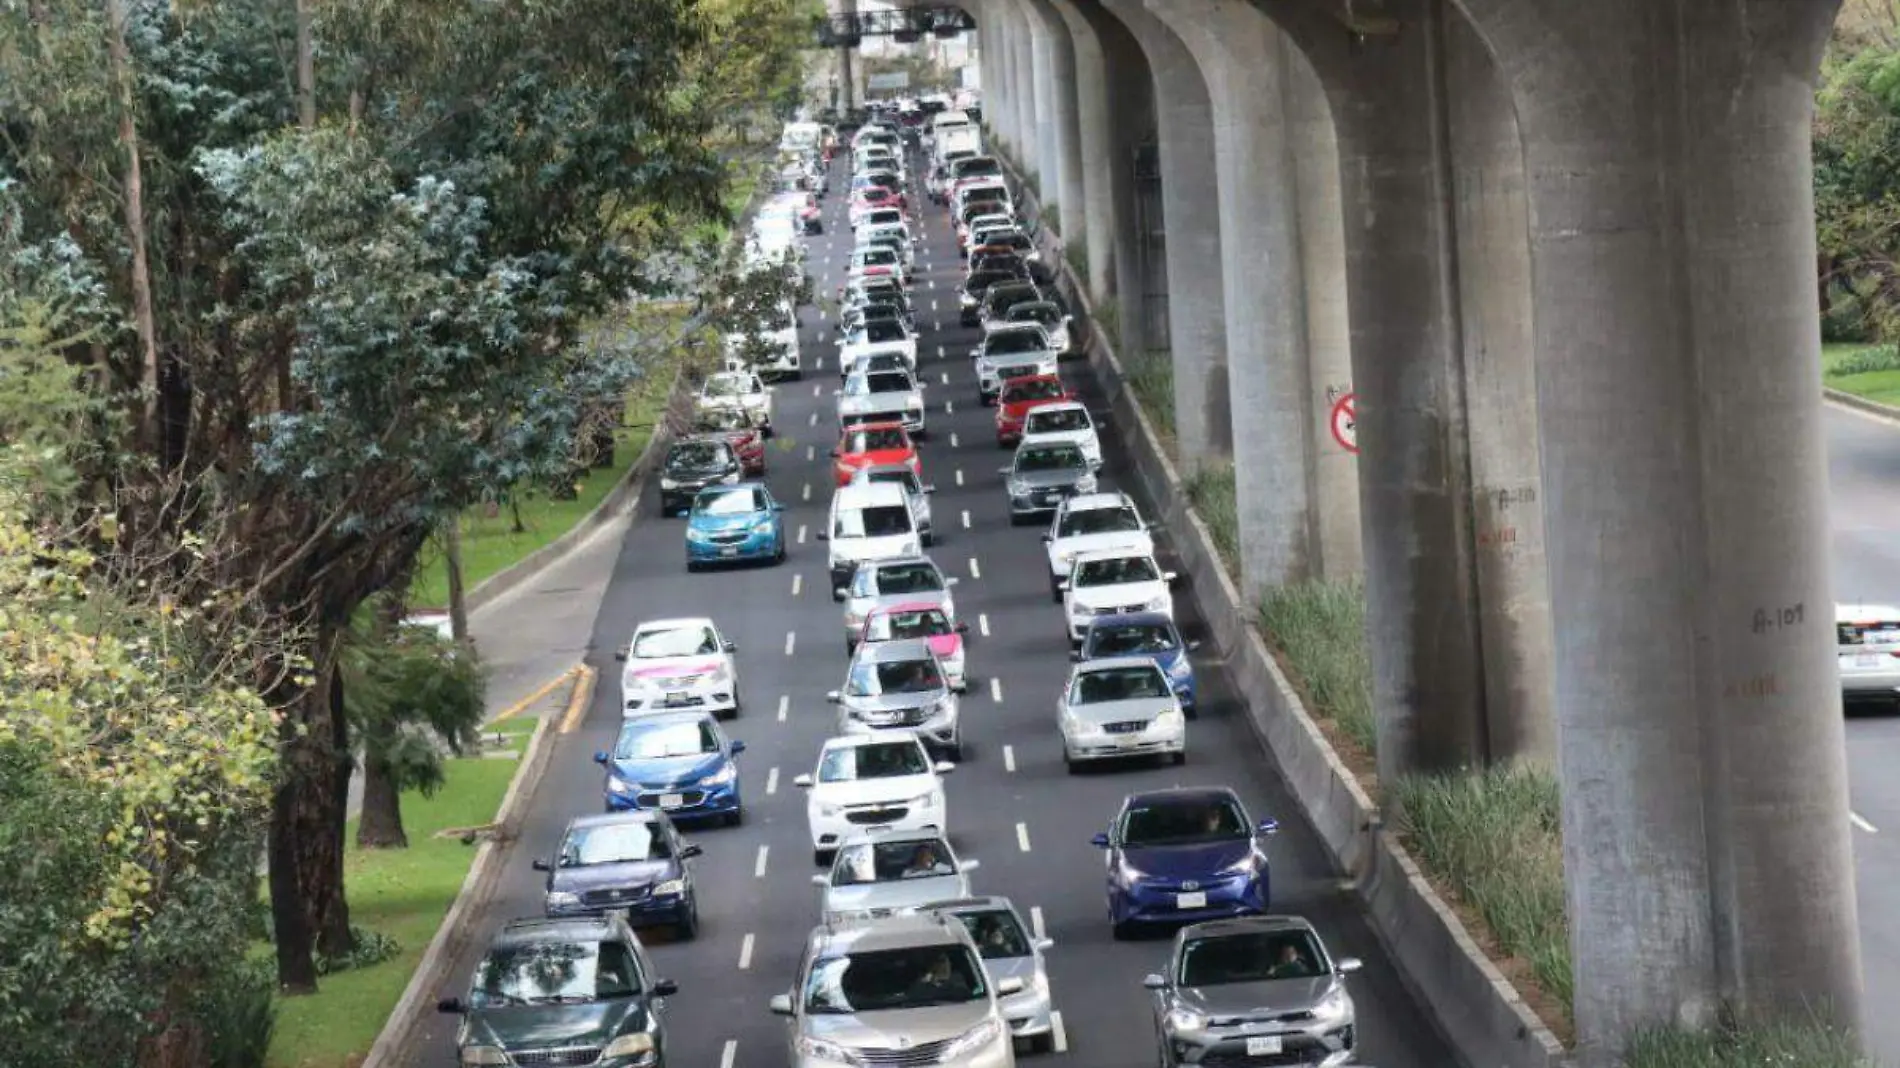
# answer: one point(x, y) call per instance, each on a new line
point(958, 139)
point(1869, 639)
point(801, 137)
point(869, 521)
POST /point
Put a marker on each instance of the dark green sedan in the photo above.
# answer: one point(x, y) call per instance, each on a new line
point(564, 992)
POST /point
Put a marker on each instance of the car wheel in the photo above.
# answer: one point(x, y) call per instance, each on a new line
point(1178, 759)
point(735, 817)
point(1055, 593)
point(1122, 931)
point(1069, 764)
point(767, 431)
point(1040, 1043)
point(1015, 520)
point(955, 751)
point(688, 927)
point(738, 703)
point(692, 566)
point(780, 557)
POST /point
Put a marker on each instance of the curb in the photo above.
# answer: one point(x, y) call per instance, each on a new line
point(1480, 1012)
point(452, 937)
point(1862, 404)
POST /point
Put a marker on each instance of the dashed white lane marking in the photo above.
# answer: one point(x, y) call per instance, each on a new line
point(811, 452)
point(928, 284)
point(1022, 837)
point(817, 363)
point(1861, 822)
point(821, 315)
point(975, 571)
point(784, 706)
point(953, 439)
point(996, 689)
point(771, 781)
point(798, 583)
point(812, 420)
point(801, 533)
point(948, 407)
point(814, 390)
point(1009, 765)
point(983, 624)
point(946, 378)
point(730, 1054)
point(933, 304)
point(1058, 1032)
point(959, 476)
point(806, 493)
point(745, 951)
point(940, 356)
point(966, 514)
point(791, 641)
point(1035, 922)
point(758, 868)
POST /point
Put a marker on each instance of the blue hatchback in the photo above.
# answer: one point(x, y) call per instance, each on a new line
point(1182, 856)
point(733, 523)
point(1148, 634)
point(680, 763)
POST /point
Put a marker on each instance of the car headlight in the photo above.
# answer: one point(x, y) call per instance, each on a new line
point(1170, 719)
point(1181, 668)
point(819, 1049)
point(1018, 489)
point(1244, 866)
point(665, 483)
point(1185, 1020)
point(1335, 1004)
point(966, 300)
point(670, 888)
point(1076, 724)
point(638, 1044)
point(722, 776)
point(1085, 484)
point(621, 786)
point(1082, 610)
point(1159, 604)
point(484, 1055)
point(972, 1040)
point(909, 548)
point(696, 534)
point(763, 526)
point(560, 899)
point(827, 812)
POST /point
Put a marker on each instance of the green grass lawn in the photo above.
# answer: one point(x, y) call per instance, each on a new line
point(1862, 370)
point(402, 893)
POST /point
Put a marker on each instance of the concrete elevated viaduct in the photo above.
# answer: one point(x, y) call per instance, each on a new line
point(1561, 256)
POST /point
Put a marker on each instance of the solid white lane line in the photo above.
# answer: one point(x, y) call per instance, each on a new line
point(1035, 922)
point(730, 1054)
point(791, 640)
point(798, 583)
point(966, 514)
point(1059, 1032)
point(1009, 765)
point(996, 689)
point(801, 533)
point(983, 623)
point(758, 869)
point(975, 571)
point(771, 782)
point(745, 951)
point(784, 706)
point(806, 493)
point(1861, 822)
point(1022, 837)
point(953, 439)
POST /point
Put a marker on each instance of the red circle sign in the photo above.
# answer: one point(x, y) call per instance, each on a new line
point(1345, 421)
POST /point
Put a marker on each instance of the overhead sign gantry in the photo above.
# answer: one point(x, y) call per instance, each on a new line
point(903, 25)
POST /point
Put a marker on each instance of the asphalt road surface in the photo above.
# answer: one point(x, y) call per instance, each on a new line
point(1011, 803)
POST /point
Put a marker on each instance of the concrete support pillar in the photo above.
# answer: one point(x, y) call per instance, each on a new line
point(1093, 165)
point(1494, 277)
point(1023, 82)
point(1705, 815)
point(1335, 470)
point(1062, 136)
point(1000, 103)
point(1238, 50)
point(1190, 204)
point(1128, 123)
point(1048, 163)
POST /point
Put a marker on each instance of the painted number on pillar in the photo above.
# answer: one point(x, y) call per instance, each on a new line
point(1769, 620)
point(1345, 422)
point(1754, 688)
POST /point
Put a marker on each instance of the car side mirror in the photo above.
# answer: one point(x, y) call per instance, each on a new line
point(1193, 645)
point(834, 696)
point(1154, 982)
point(1062, 584)
point(1045, 944)
point(664, 988)
point(963, 628)
point(1269, 826)
point(820, 880)
point(949, 582)
point(601, 756)
point(824, 535)
point(834, 452)
point(802, 781)
point(781, 1004)
point(1012, 985)
point(1169, 577)
point(737, 747)
point(729, 646)
point(620, 655)
point(1348, 965)
point(541, 864)
point(777, 507)
point(1047, 538)
point(971, 865)
point(691, 850)
point(943, 767)
point(1002, 470)
point(453, 1005)
point(1075, 655)
point(1100, 841)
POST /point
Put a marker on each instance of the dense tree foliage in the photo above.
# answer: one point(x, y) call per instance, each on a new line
point(1857, 175)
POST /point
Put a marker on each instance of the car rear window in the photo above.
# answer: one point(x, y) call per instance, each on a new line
point(1877, 632)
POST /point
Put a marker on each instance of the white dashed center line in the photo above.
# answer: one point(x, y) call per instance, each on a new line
point(784, 706)
point(1022, 837)
point(814, 390)
point(771, 781)
point(1059, 1032)
point(798, 583)
point(975, 571)
point(996, 689)
point(1009, 762)
point(946, 378)
point(801, 533)
point(758, 869)
point(1861, 822)
point(1035, 922)
point(966, 518)
point(959, 476)
point(953, 439)
point(813, 420)
point(948, 408)
point(983, 624)
point(811, 452)
point(791, 640)
point(745, 951)
point(731, 1053)
point(806, 493)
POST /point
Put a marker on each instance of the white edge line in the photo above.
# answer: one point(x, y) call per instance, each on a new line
point(1060, 1033)
point(983, 623)
point(745, 951)
point(730, 1053)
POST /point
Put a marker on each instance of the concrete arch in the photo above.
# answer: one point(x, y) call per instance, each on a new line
point(1190, 209)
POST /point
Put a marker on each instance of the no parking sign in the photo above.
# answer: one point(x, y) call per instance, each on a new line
point(1344, 422)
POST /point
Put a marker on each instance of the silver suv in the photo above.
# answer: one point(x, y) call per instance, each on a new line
point(899, 684)
point(904, 990)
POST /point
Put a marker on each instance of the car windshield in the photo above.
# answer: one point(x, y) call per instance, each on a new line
point(895, 626)
point(1037, 389)
point(1133, 639)
point(893, 979)
point(881, 521)
point(882, 331)
point(727, 385)
point(742, 501)
point(876, 257)
point(876, 760)
point(614, 843)
point(1050, 458)
point(998, 933)
point(1012, 342)
point(680, 641)
point(663, 741)
point(722, 419)
point(1085, 521)
point(970, 168)
point(908, 578)
point(1116, 570)
point(1178, 822)
point(894, 677)
point(1038, 311)
point(889, 382)
point(551, 972)
point(976, 209)
point(1252, 957)
point(876, 439)
point(696, 454)
point(1118, 684)
point(862, 863)
point(885, 215)
point(1058, 421)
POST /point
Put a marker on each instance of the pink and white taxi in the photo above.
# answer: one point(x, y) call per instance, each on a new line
point(676, 664)
point(926, 620)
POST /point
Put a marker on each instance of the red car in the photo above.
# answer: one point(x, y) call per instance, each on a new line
point(1018, 397)
point(869, 444)
point(876, 196)
point(732, 426)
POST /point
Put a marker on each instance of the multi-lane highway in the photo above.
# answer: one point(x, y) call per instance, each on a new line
point(1011, 803)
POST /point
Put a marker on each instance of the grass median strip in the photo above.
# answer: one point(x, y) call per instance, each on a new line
point(1871, 372)
point(401, 894)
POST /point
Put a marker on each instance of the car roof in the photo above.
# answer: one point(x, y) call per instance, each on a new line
point(853, 741)
point(912, 834)
point(680, 623)
point(1109, 554)
point(911, 560)
point(532, 930)
point(888, 932)
point(1061, 406)
point(1089, 502)
point(1246, 925)
point(652, 719)
point(905, 606)
point(980, 903)
point(1131, 619)
point(869, 494)
point(890, 652)
point(608, 819)
point(1171, 794)
point(1108, 663)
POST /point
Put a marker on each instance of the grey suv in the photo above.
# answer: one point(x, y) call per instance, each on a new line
point(899, 684)
point(1263, 988)
point(904, 990)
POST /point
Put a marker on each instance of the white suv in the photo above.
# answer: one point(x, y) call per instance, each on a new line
point(1114, 583)
point(1090, 523)
point(882, 780)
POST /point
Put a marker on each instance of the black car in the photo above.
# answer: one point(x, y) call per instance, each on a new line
point(633, 861)
point(564, 991)
point(1000, 261)
point(970, 297)
point(1000, 298)
point(690, 466)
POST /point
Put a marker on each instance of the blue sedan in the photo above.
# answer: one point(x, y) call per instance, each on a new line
point(733, 523)
point(1182, 856)
point(1148, 634)
point(680, 763)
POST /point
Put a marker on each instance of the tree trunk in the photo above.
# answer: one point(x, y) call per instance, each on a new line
point(307, 819)
point(306, 70)
point(294, 941)
point(514, 515)
point(334, 937)
point(458, 597)
point(380, 825)
point(144, 322)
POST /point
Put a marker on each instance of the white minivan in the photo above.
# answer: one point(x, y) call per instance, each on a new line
point(869, 521)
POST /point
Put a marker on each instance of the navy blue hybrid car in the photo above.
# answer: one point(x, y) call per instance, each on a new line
point(631, 861)
point(1149, 634)
point(1182, 856)
point(680, 763)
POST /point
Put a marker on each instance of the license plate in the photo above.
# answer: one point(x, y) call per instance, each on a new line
point(1191, 901)
point(677, 697)
point(1265, 1045)
point(672, 800)
point(730, 550)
